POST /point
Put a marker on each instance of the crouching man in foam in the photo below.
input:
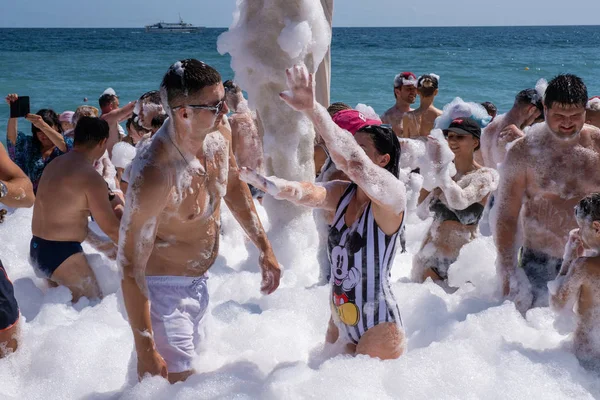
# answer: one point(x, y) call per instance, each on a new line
point(577, 284)
point(170, 230)
point(369, 214)
point(69, 191)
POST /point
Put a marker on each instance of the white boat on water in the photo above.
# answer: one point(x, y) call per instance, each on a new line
point(173, 27)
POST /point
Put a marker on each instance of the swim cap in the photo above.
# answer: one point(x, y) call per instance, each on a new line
point(66, 116)
point(353, 121)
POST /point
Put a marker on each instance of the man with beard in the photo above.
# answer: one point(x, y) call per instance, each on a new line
point(405, 91)
point(544, 176)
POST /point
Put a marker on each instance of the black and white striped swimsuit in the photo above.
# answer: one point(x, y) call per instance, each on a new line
point(361, 257)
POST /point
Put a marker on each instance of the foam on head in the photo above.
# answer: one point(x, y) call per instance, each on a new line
point(458, 108)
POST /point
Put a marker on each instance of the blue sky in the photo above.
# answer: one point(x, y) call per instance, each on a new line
point(217, 13)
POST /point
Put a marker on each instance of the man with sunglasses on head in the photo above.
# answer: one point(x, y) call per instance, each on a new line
point(170, 232)
point(405, 92)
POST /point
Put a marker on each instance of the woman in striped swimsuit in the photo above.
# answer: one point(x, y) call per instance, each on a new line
point(369, 214)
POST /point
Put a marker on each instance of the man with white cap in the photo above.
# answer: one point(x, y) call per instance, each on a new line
point(111, 113)
point(405, 91)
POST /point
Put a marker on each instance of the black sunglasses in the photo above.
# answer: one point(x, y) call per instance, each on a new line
point(216, 109)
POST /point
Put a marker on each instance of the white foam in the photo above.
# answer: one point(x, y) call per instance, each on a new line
point(109, 91)
point(367, 111)
point(122, 155)
point(469, 344)
point(457, 108)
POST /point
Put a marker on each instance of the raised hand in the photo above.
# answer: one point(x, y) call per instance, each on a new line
point(37, 121)
point(574, 246)
point(301, 93)
point(510, 134)
point(271, 273)
point(11, 98)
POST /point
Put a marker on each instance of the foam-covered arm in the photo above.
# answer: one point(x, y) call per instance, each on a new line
point(482, 183)
point(308, 194)
point(145, 201)
point(384, 189)
point(509, 200)
point(379, 184)
point(239, 200)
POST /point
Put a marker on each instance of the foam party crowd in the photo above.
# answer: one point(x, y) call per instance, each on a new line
point(247, 237)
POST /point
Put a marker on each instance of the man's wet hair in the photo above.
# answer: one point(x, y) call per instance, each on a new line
point(106, 100)
point(90, 131)
point(231, 86)
point(427, 85)
point(334, 108)
point(566, 89)
point(152, 96)
point(490, 108)
point(589, 207)
point(529, 97)
point(186, 78)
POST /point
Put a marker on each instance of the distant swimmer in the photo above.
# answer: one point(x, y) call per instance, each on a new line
point(113, 115)
point(457, 202)
point(593, 112)
point(490, 108)
point(577, 287)
point(69, 192)
point(543, 177)
point(418, 123)
point(369, 214)
point(171, 226)
point(508, 127)
point(246, 141)
point(16, 191)
point(405, 92)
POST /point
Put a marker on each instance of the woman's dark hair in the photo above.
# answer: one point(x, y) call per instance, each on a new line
point(386, 142)
point(49, 117)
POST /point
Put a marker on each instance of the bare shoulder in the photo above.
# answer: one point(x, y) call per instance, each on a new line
point(593, 133)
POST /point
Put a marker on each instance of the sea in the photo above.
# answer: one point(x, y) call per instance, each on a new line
point(59, 68)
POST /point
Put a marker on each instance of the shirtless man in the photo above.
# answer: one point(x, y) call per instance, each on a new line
point(405, 92)
point(419, 123)
point(541, 179)
point(576, 286)
point(69, 191)
point(113, 115)
point(170, 230)
point(593, 112)
point(246, 141)
point(508, 127)
point(16, 190)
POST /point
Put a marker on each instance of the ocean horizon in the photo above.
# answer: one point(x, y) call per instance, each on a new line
point(59, 67)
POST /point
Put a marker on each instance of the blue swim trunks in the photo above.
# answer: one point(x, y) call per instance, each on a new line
point(47, 255)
